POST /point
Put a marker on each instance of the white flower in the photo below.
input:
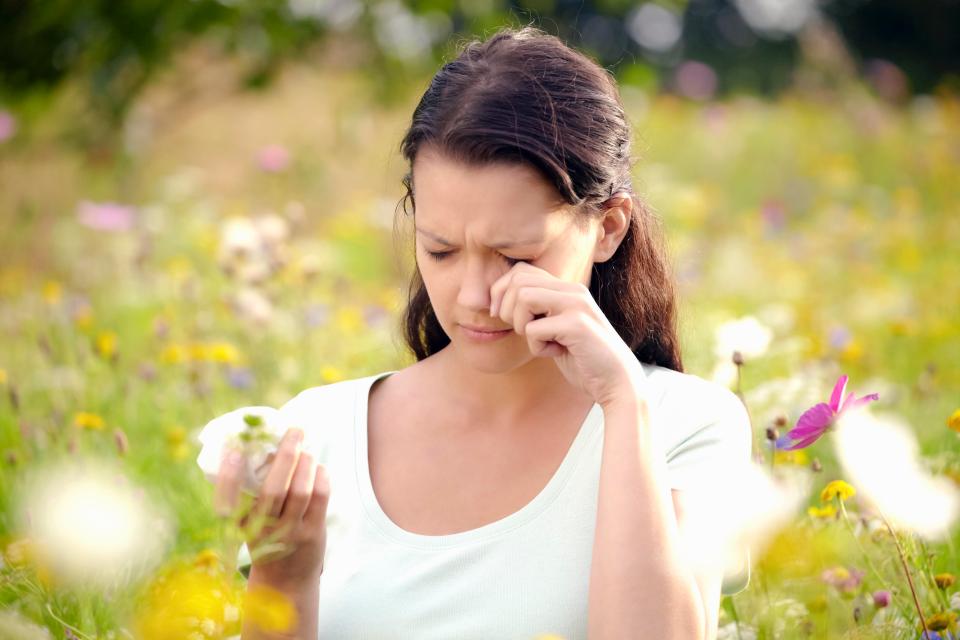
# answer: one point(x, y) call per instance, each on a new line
point(747, 335)
point(93, 526)
point(880, 455)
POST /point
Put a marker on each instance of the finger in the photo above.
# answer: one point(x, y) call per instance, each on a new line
point(274, 490)
point(534, 302)
point(227, 487)
point(550, 337)
point(316, 513)
point(301, 488)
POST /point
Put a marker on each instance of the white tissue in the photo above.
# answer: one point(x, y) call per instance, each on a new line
point(227, 431)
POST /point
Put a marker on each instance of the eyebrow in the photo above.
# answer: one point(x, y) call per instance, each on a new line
point(495, 245)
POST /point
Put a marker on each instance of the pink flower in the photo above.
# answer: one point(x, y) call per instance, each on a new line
point(842, 578)
point(273, 158)
point(816, 420)
point(105, 216)
point(8, 126)
point(881, 599)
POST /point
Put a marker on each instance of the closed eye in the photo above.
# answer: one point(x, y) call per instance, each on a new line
point(440, 255)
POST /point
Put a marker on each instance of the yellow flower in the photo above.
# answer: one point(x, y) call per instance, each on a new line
point(269, 609)
point(3, 377)
point(946, 620)
point(187, 601)
point(223, 352)
point(25, 553)
point(85, 420)
point(839, 489)
point(945, 580)
point(329, 373)
point(106, 344)
point(173, 354)
point(177, 441)
point(52, 292)
point(83, 318)
point(798, 457)
point(954, 421)
point(825, 511)
point(349, 320)
point(852, 351)
point(199, 352)
point(209, 559)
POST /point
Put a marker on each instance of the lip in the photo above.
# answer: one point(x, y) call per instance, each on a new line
point(482, 329)
point(484, 336)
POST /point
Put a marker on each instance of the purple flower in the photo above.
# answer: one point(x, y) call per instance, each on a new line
point(105, 216)
point(881, 598)
point(816, 420)
point(240, 377)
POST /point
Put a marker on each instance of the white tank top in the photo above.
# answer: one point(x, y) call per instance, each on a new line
point(520, 577)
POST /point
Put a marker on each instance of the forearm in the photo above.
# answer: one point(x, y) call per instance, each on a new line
point(306, 601)
point(639, 586)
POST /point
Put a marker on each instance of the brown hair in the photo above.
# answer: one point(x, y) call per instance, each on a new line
point(523, 96)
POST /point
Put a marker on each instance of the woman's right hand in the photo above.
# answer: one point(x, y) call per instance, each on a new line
point(290, 509)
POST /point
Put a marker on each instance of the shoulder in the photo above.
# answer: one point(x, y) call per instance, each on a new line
point(688, 409)
point(327, 400)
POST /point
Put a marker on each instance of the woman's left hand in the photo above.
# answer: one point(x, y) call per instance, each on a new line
point(561, 320)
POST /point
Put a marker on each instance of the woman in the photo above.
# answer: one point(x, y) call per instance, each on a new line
point(528, 474)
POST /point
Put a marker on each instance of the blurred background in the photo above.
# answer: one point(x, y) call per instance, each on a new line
point(198, 202)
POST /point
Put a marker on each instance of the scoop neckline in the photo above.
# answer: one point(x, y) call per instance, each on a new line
point(522, 516)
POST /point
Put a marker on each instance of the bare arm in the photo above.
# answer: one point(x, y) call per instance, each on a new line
point(639, 585)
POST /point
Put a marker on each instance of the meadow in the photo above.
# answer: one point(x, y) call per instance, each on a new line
point(241, 248)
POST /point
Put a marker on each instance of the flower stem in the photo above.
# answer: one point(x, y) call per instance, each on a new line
point(866, 556)
point(906, 570)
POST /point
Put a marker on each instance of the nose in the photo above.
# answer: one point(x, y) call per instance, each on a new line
point(474, 293)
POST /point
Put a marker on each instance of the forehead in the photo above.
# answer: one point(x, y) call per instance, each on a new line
point(516, 196)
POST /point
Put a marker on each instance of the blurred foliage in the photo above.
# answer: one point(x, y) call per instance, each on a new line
point(115, 49)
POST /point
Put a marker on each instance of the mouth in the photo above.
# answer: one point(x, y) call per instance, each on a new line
point(484, 334)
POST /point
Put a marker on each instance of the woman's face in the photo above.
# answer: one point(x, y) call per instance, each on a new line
point(472, 225)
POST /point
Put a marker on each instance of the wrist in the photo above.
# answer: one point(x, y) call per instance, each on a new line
point(283, 581)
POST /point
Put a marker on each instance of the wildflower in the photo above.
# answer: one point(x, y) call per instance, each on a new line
point(798, 457)
point(223, 352)
point(208, 558)
point(176, 442)
point(174, 354)
point(839, 489)
point(746, 335)
point(826, 511)
point(106, 344)
point(187, 601)
point(881, 598)
point(94, 527)
point(953, 422)
point(106, 216)
point(329, 373)
point(52, 292)
point(944, 621)
point(269, 609)
point(8, 126)
point(843, 579)
point(3, 377)
point(816, 420)
point(273, 158)
point(945, 580)
point(90, 421)
point(890, 474)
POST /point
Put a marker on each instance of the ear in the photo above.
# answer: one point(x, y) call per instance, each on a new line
point(613, 225)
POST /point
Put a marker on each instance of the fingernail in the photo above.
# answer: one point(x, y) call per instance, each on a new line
point(235, 457)
point(296, 434)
